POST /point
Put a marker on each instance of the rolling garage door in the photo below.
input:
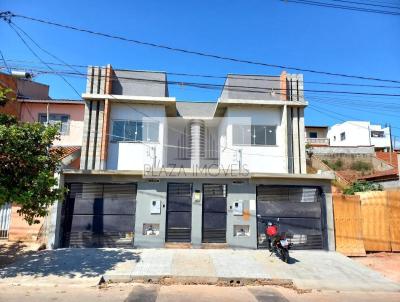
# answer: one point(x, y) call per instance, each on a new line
point(214, 213)
point(299, 213)
point(179, 212)
point(99, 215)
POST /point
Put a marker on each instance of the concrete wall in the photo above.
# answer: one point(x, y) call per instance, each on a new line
point(343, 150)
point(140, 83)
point(30, 113)
point(321, 132)
point(20, 230)
point(32, 90)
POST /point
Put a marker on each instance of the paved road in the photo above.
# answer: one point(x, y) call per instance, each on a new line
point(177, 293)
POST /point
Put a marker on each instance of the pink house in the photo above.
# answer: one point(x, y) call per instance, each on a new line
point(68, 113)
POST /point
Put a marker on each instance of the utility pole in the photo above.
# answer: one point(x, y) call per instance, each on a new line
point(390, 147)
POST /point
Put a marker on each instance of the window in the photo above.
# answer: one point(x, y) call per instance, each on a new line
point(61, 119)
point(255, 135)
point(134, 131)
point(313, 135)
point(377, 134)
point(342, 136)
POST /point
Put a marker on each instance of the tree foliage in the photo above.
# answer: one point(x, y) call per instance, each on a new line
point(27, 166)
point(362, 186)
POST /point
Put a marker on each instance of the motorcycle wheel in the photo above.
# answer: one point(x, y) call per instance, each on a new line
point(285, 255)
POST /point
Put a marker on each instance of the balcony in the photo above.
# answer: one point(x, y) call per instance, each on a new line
point(317, 141)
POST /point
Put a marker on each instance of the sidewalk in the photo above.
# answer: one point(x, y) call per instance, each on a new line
point(318, 270)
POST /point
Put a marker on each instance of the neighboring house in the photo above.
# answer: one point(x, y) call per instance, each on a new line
point(68, 114)
point(317, 135)
point(21, 89)
point(358, 133)
point(157, 172)
point(30, 102)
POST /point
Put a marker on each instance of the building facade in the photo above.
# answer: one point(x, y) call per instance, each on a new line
point(359, 133)
point(155, 171)
point(317, 135)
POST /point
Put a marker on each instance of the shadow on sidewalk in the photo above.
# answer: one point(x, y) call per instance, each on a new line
point(68, 262)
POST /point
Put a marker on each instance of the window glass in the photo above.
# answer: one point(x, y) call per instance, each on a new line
point(118, 131)
point(377, 134)
point(135, 131)
point(260, 135)
point(313, 135)
point(56, 119)
point(342, 136)
point(241, 135)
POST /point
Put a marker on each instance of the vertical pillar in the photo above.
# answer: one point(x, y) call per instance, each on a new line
point(295, 134)
point(302, 143)
point(284, 125)
point(196, 132)
point(283, 86)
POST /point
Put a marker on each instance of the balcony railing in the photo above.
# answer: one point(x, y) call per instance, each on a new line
point(317, 141)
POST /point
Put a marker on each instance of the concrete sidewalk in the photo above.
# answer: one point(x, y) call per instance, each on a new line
point(318, 270)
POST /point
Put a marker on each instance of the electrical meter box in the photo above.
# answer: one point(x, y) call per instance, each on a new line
point(155, 207)
point(238, 208)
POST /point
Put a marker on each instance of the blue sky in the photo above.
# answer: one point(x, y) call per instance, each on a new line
point(268, 31)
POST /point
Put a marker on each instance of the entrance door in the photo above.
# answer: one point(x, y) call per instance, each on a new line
point(299, 212)
point(99, 215)
point(179, 212)
point(214, 213)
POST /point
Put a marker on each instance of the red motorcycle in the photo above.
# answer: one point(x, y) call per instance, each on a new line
point(277, 243)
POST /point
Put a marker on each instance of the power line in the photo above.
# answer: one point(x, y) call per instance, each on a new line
point(239, 88)
point(344, 7)
point(232, 76)
point(367, 4)
point(7, 16)
point(39, 58)
point(5, 63)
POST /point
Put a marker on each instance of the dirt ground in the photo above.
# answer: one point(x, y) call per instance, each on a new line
point(11, 251)
point(388, 264)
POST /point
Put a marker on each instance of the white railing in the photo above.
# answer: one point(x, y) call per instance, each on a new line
point(317, 141)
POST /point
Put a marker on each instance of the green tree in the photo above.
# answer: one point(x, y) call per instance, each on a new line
point(27, 166)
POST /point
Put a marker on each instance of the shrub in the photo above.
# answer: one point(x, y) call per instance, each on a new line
point(337, 165)
point(361, 166)
point(362, 186)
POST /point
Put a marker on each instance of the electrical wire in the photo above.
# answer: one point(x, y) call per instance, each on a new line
point(7, 16)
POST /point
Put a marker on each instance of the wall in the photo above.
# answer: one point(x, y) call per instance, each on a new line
point(134, 155)
point(343, 150)
point(147, 83)
point(20, 230)
point(321, 132)
point(357, 134)
point(12, 107)
point(30, 113)
point(256, 158)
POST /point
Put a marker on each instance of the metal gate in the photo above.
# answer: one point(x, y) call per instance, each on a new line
point(179, 212)
point(5, 218)
point(99, 215)
point(214, 213)
point(299, 212)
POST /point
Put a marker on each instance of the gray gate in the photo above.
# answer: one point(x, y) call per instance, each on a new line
point(99, 215)
point(5, 218)
point(214, 213)
point(179, 212)
point(299, 212)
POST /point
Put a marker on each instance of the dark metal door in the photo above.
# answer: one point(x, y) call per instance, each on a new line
point(214, 213)
point(179, 212)
point(299, 212)
point(99, 215)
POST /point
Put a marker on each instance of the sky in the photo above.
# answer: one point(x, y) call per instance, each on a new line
point(269, 31)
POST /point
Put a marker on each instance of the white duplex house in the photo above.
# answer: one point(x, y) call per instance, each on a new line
point(156, 171)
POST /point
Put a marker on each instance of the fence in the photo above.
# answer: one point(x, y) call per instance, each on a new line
point(368, 221)
point(5, 217)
